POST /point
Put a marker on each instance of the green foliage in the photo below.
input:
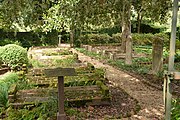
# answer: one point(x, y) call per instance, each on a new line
point(85, 77)
point(135, 68)
point(177, 44)
point(117, 37)
point(3, 95)
point(143, 49)
point(9, 78)
point(28, 39)
point(37, 64)
point(165, 38)
point(5, 42)
point(99, 38)
point(57, 52)
point(77, 43)
point(95, 39)
point(142, 39)
point(1, 52)
point(14, 56)
point(147, 39)
point(138, 39)
point(72, 112)
point(63, 62)
point(43, 111)
point(91, 54)
point(175, 109)
point(177, 57)
point(5, 81)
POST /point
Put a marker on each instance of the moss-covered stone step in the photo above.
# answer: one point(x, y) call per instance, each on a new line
point(87, 94)
point(81, 80)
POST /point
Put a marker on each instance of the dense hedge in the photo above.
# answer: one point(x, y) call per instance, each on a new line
point(13, 55)
point(28, 39)
point(138, 39)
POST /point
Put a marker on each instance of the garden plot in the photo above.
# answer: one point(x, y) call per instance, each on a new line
point(86, 88)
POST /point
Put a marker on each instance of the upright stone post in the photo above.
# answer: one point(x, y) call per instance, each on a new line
point(60, 73)
point(157, 55)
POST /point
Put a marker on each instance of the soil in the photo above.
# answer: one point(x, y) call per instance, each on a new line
point(149, 97)
point(122, 105)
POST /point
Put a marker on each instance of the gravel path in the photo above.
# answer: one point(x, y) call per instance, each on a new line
point(149, 98)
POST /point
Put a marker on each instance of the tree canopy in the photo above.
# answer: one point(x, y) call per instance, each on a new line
point(84, 14)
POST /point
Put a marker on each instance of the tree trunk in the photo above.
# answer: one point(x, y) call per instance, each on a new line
point(126, 33)
point(72, 37)
point(123, 35)
point(139, 19)
point(128, 58)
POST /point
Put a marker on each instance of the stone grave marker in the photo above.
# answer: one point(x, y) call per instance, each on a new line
point(157, 55)
point(60, 73)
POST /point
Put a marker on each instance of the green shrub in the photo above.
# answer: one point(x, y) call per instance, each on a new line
point(116, 38)
point(177, 44)
point(99, 38)
point(177, 57)
point(1, 52)
point(142, 39)
point(95, 39)
point(165, 38)
point(5, 42)
point(147, 39)
point(138, 39)
point(14, 56)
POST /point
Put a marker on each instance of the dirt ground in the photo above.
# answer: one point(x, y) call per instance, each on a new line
point(140, 97)
point(150, 98)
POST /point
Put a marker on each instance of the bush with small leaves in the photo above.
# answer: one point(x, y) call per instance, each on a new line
point(116, 38)
point(13, 55)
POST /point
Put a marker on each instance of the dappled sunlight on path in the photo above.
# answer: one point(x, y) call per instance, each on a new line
point(149, 98)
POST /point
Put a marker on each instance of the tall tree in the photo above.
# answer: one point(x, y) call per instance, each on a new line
point(154, 10)
point(22, 13)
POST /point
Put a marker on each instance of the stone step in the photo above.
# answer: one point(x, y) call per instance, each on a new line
point(74, 95)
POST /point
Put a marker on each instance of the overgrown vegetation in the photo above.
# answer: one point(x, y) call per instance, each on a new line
point(175, 109)
point(44, 111)
point(5, 82)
